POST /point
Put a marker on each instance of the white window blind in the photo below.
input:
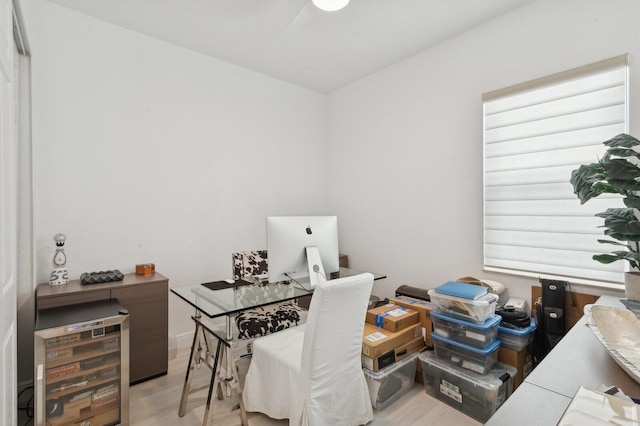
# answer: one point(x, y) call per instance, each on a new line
point(535, 134)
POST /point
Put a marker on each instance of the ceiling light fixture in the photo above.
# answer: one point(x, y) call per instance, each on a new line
point(330, 5)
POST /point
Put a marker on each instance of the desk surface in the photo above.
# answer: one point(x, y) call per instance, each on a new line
point(229, 301)
point(579, 359)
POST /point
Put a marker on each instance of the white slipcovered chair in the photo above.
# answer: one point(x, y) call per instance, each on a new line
point(312, 374)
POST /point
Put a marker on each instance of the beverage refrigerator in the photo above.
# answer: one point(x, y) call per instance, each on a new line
point(82, 365)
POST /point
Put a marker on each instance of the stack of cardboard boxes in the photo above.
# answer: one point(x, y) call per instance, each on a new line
point(391, 341)
point(463, 371)
point(424, 309)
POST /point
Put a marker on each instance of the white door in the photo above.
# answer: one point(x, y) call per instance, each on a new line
point(8, 221)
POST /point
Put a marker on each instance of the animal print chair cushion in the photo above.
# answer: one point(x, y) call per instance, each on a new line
point(249, 263)
point(265, 320)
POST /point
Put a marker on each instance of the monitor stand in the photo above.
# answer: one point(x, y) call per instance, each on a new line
point(316, 270)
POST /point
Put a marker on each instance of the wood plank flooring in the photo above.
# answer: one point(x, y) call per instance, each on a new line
point(156, 403)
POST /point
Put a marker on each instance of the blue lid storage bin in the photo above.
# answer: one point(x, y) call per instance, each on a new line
point(469, 333)
point(475, 310)
point(517, 338)
point(465, 356)
point(464, 290)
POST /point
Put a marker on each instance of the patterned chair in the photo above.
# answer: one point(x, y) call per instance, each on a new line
point(267, 319)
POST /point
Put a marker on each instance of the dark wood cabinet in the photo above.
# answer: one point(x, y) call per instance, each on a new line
point(147, 300)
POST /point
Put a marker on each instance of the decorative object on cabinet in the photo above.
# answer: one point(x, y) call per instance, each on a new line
point(147, 300)
point(145, 269)
point(59, 275)
point(101, 277)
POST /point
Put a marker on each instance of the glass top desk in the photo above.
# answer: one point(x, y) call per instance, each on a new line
point(229, 302)
point(234, 300)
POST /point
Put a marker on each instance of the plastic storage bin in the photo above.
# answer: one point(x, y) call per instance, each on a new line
point(476, 395)
point(466, 290)
point(517, 338)
point(390, 383)
point(469, 333)
point(474, 310)
point(474, 359)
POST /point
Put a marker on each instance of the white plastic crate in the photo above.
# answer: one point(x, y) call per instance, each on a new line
point(474, 310)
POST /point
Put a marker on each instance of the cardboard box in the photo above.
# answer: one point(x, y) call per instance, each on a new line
point(394, 355)
point(392, 317)
point(377, 341)
point(522, 360)
point(424, 309)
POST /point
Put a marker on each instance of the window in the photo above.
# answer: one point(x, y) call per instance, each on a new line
point(535, 134)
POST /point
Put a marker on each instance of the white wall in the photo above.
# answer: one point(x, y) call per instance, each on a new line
point(147, 152)
point(406, 143)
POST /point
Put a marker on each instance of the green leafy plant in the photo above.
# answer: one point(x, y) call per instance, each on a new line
point(618, 173)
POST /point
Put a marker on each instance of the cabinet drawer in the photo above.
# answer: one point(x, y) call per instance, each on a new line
point(72, 299)
point(147, 306)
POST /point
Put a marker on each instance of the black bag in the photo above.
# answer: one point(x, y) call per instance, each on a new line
point(553, 302)
point(415, 292)
point(513, 319)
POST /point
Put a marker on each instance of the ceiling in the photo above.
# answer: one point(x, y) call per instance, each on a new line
point(292, 40)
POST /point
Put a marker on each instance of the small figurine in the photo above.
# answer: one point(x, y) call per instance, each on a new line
point(59, 275)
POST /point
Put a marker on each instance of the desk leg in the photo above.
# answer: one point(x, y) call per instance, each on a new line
point(228, 374)
point(231, 368)
point(213, 385)
point(192, 361)
point(201, 352)
point(219, 381)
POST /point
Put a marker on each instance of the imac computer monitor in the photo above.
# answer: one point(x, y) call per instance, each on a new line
point(302, 247)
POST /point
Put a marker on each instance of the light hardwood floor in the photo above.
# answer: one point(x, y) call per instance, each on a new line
point(156, 403)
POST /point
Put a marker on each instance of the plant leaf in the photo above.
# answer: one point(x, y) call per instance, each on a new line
point(621, 224)
point(616, 243)
point(632, 201)
point(631, 257)
point(589, 181)
point(622, 174)
point(623, 140)
point(606, 258)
